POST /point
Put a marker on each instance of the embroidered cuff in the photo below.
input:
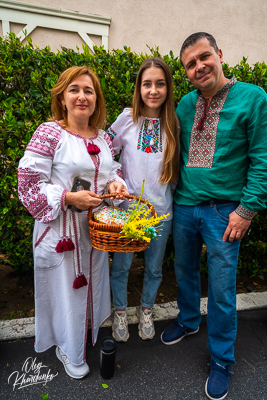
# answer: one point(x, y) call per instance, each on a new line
point(244, 213)
point(62, 200)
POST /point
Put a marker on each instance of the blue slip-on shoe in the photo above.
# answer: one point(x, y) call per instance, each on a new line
point(175, 333)
point(218, 382)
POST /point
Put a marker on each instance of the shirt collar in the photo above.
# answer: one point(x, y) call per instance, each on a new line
point(230, 83)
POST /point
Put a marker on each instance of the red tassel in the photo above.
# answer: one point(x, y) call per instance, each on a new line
point(93, 149)
point(59, 248)
point(80, 281)
point(65, 246)
point(84, 280)
point(202, 119)
point(71, 246)
point(76, 283)
point(201, 123)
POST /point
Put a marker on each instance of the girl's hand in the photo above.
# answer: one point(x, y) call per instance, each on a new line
point(118, 187)
point(82, 199)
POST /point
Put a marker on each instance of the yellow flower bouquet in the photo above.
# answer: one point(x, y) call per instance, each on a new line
point(140, 225)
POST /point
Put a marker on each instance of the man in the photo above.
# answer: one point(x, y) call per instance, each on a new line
point(223, 183)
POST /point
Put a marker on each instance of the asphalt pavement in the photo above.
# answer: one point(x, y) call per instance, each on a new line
point(144, 369)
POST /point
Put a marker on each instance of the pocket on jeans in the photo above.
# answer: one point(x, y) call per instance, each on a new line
point(223, 212)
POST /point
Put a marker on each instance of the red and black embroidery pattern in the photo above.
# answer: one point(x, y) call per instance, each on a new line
point(44, 140)
point(203, 142)
point(30, 196)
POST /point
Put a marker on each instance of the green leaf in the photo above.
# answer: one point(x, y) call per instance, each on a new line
point(12, 142)
point(105, 386)
point(45, 396)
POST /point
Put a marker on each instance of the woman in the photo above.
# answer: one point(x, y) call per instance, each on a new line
point(148, 137)
point(68, 153)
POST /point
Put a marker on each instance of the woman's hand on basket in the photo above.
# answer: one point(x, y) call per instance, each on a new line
point(119, 189)
point(82, 199)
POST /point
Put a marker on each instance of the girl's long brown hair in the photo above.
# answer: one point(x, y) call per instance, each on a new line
point(168, 120)
point(98, 118)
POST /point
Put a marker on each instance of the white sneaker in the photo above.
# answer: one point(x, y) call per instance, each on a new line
point(74, 371)
point(120, 326)
point(146, 327)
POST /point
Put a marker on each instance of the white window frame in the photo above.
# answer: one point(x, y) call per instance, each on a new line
point(34, 16)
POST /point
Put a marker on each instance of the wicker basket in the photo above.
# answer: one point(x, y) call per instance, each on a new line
point(107, 236)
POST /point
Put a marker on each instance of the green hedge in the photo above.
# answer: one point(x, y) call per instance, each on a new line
point(27, 74)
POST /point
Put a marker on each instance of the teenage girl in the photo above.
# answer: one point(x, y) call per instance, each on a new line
point(148, 136)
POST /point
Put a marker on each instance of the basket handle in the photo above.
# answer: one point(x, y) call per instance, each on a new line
point(128, 196)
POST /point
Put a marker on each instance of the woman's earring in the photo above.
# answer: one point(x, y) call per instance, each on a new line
point(63, 106)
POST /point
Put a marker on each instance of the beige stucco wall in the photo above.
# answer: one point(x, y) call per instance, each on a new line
point(238, 25)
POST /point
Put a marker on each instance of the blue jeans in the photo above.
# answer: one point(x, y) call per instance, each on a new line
point(154, 255)
point(191, 226)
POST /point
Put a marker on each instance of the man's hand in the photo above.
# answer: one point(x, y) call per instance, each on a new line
point(236, 228)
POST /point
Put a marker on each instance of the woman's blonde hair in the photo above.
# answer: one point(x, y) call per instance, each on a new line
point(98, 118)
point(168, 120)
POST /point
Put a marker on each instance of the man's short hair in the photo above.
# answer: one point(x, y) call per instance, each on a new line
point(195, 37)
